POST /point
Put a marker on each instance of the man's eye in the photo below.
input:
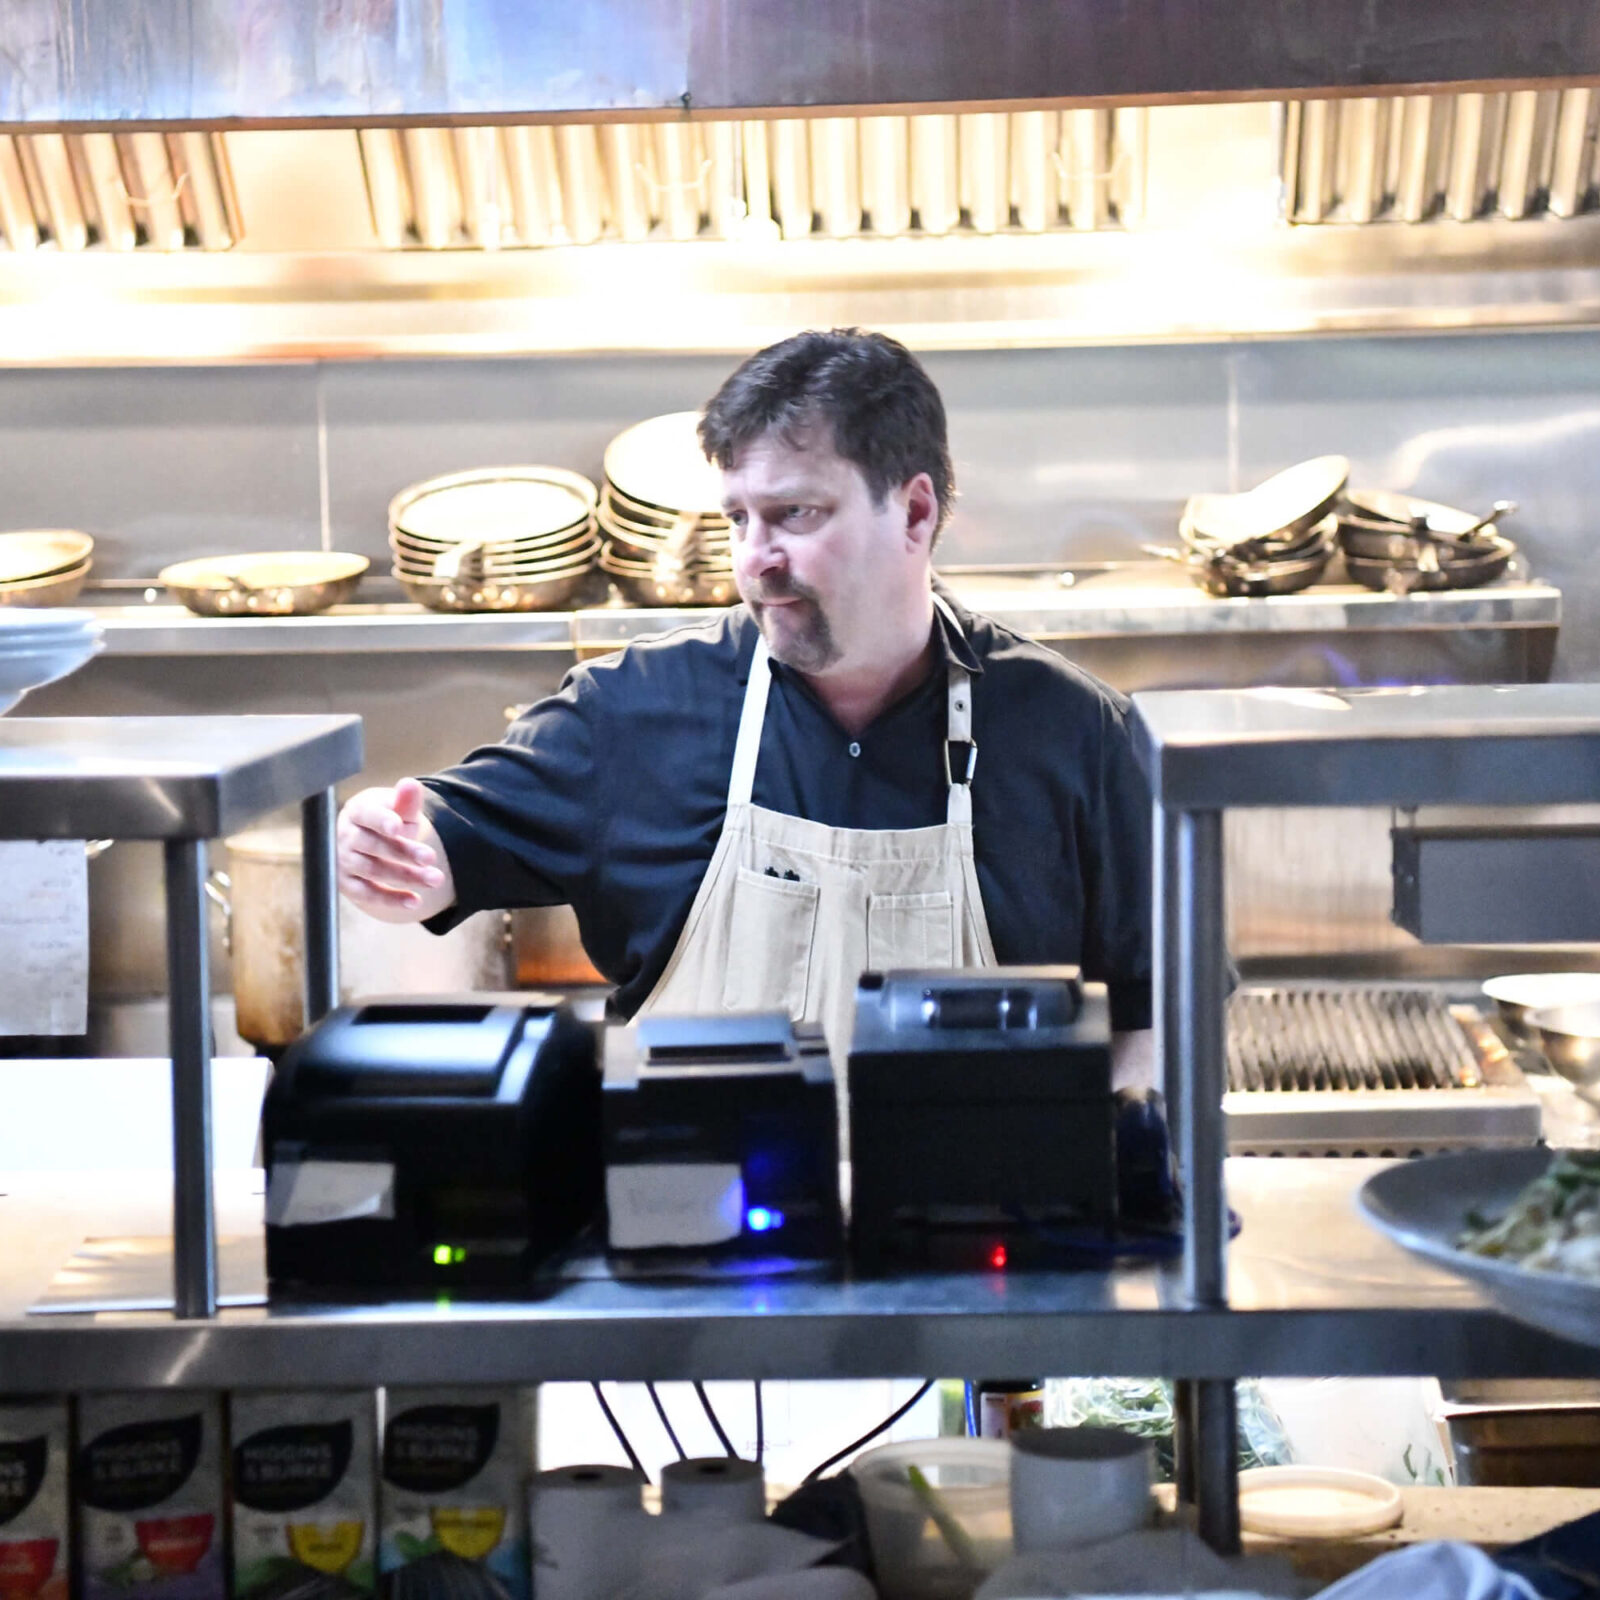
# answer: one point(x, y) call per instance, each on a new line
point(796, 513)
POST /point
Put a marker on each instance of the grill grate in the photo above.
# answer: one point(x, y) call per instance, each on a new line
point(1351, 1039)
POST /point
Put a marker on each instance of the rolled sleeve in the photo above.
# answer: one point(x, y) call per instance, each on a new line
point(517, 818)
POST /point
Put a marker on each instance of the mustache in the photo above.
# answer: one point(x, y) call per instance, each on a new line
point(782, 587)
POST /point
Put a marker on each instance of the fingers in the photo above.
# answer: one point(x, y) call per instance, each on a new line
point(371, 895)
point(381, 860)
point(408, 800)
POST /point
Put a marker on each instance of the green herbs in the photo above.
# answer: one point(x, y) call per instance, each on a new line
point(1552, 1226)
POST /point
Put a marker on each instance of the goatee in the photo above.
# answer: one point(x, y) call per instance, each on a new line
point(804, 641)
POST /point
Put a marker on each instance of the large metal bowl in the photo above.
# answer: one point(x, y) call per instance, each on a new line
point(1517, 995)
point(1570, 1039)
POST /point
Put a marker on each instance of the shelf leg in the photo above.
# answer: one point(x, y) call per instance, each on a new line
point(1183, 1439)
point(194, 1232)
point(1216, 1464)
point(1200, 987)
point(321, 905)
point(1167, 1020)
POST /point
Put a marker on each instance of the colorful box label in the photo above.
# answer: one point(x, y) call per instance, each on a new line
point(304, 1493)
point(452, 1495)
point(149, 1488)
point(33, 1502)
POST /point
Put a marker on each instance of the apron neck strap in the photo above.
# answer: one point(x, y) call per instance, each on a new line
point(742, 779)
point(958, 732)
point(961, 750)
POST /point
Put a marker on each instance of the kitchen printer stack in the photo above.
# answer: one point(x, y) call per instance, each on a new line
point(498, 1136)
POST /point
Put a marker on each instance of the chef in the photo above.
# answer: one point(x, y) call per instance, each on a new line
point(847, 771)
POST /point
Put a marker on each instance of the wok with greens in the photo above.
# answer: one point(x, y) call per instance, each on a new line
point(1552, 1226)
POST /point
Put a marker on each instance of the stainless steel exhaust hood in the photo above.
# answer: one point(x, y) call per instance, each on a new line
point(216, 62)
point(371, 177)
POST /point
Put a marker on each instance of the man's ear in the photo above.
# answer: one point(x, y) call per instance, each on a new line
point(922, 512)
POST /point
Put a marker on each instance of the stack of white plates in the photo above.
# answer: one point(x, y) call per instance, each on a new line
point(43, 566)
point(495, 539)
point(666, 539)
point(37, 647)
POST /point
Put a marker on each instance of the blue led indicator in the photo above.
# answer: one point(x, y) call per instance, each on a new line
point(761, 1219)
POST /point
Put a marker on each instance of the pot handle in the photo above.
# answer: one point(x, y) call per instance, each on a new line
point(219, 891)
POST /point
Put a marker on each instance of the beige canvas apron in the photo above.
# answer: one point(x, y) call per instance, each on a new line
point(790, 913)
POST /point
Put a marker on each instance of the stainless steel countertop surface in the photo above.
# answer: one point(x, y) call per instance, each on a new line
point(1148, 599)
point(164, 777)
point(1515, 744)
point(1315, 1291)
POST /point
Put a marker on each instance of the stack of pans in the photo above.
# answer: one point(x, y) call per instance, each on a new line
point(43, 567)
point(667, 542)
point(1398, 544)
point(1275, 539)
point(495, 539)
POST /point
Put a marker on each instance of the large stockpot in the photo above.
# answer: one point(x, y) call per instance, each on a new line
point(266, 913)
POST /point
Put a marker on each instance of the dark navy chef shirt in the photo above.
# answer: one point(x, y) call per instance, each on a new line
point(610, 795)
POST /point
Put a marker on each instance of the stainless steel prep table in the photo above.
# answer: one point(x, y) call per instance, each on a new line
point(1520, 744)
point(1316, 1291)
point(184, 780)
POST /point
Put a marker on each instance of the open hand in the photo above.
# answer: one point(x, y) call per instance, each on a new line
point(390, 860)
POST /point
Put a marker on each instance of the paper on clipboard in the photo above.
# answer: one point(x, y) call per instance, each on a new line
point(44, 937)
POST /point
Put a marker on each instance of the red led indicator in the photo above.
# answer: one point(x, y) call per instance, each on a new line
point(998, 1257)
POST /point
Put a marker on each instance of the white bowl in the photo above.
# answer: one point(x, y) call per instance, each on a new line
point(22, 670)
point(1519, 994)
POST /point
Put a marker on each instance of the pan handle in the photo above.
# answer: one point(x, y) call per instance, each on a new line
point(218, 888)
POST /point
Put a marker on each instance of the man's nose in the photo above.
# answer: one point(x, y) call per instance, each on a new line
point(762, 551)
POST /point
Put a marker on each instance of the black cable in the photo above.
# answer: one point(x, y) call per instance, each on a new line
point(711, 1417)
point(661, 1411)
point(761, 1426)
point(867, 1438)
point(616, 1428)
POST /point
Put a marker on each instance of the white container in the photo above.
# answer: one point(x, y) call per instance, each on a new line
point(1072, 1486)
point(971, 1479)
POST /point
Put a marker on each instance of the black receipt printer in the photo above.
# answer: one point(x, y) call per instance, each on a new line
point(721, 1140)
point(982, 1123)
point(446, 1142)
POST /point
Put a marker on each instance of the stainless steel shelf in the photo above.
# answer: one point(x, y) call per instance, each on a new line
point(169, 630)
point(185, 780)
point(1132, 602)
point(1314, 1291)
point(164, 777)
point(1526, 744)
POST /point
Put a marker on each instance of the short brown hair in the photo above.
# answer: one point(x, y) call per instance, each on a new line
point(884, 412)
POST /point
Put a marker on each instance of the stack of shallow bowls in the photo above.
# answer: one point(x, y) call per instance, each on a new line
point(1397, 543)
point(1275, 539)
point(495, 539)
point(43, 567)
point(667, 542)
point(37, 647)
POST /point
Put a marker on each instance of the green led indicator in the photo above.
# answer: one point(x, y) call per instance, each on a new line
point(458, 1254)
point(441, 1255)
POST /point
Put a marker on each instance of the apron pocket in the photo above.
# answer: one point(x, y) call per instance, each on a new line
point(911, 930)
point(769, 944)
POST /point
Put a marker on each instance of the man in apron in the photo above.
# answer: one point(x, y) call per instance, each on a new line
point(847, 772)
